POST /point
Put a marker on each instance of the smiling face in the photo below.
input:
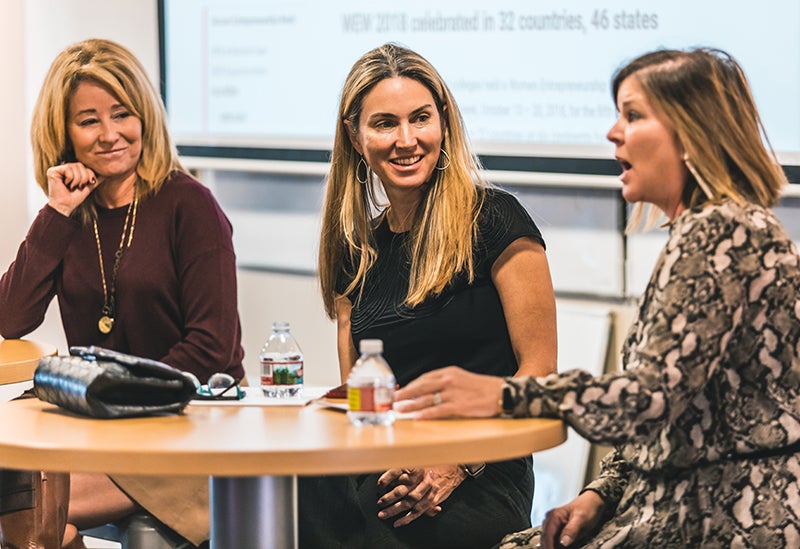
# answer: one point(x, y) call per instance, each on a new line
point(399, 134)
point(647, 149)
point(105, 136)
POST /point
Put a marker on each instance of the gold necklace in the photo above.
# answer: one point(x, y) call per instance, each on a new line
point(106, 322)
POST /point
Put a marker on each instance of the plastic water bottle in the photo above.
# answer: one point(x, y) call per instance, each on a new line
point(370, 387)
point(281, 363)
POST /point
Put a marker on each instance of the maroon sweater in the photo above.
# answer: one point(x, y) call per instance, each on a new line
point(176, 285)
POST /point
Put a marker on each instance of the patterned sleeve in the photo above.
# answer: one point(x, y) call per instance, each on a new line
point(719, 266)
point(610, 484)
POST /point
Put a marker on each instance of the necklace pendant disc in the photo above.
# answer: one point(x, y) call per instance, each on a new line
point(105, 324)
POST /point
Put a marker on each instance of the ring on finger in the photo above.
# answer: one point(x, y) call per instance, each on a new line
point(437, 398)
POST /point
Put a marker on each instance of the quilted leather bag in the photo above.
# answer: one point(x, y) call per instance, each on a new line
point(101, 383)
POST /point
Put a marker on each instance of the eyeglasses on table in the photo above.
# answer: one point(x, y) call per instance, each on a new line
point(220, 386)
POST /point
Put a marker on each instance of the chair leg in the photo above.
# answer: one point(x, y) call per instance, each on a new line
point(33, 508)
point(140, 531)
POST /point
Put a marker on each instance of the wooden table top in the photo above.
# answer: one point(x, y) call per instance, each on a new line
point(254, 441)
point(19, 358)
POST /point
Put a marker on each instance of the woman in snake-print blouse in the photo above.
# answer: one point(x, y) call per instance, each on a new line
point(705, 417)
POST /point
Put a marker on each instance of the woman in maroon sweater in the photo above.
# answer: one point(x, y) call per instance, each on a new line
point(138, 253)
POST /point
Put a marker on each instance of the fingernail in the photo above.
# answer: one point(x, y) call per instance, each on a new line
point(566, 541)
point(381, 515)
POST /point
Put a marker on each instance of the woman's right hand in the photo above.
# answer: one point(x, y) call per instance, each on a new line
point(450, 392)
point(574, 521)
point(68, 185)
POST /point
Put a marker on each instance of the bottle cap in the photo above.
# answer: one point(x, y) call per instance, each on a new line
point(370, 346)
point(280, 326)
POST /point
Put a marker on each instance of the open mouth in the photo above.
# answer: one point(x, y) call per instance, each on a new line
point(408, 161)
point(624, 164)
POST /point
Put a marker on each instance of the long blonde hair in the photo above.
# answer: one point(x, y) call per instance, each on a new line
point(443, 233)
point(704, 96)
point(117, 69)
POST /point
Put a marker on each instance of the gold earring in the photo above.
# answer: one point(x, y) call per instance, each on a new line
point(447, 160)
point(365, 179)
point(700, 181)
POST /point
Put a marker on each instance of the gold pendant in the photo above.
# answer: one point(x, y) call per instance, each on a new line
point(105, 324)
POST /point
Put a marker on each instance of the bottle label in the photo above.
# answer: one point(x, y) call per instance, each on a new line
point(369, 399)
point(281, 373)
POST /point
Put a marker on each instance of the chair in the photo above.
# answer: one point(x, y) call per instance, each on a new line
point(561, 471)
point(139, 531)
point(18, 360)
point(22, 493)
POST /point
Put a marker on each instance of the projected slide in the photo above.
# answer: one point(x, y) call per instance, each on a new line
point(524, 73)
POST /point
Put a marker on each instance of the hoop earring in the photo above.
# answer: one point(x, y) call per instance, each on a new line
point(700, 181)
point(446, 158)
point(365, 179)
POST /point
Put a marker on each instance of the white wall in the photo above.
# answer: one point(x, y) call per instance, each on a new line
point(265, 297)
point(13, 134)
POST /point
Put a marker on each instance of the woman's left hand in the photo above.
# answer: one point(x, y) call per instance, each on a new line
point(414, 492)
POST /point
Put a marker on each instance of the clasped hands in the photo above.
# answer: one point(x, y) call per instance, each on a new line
point(410, 493)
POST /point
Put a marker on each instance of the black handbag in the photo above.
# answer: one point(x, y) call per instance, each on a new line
point(101, 383)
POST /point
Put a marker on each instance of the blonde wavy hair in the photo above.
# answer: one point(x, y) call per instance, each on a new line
point(704, 96)
point(120, 72)
point(444, 228)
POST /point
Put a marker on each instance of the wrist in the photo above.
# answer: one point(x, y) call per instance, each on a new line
point(597, 502)
point(505, 400)
point(473, 470)
point(63, 209)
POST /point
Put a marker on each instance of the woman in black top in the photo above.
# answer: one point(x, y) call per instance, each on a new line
point(417, 250)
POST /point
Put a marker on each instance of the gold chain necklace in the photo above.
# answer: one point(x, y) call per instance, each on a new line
point(106, 322)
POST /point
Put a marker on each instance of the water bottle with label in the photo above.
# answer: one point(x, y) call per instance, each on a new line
point(370, 387)
point(281, 363)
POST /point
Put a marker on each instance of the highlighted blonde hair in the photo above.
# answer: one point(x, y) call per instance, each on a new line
point(120, 72)
point(704, 97)
point(443, 232)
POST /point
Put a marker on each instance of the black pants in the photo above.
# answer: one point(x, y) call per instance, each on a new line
point(341, 512)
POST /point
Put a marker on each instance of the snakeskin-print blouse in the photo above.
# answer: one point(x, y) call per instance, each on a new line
point(710, 395)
